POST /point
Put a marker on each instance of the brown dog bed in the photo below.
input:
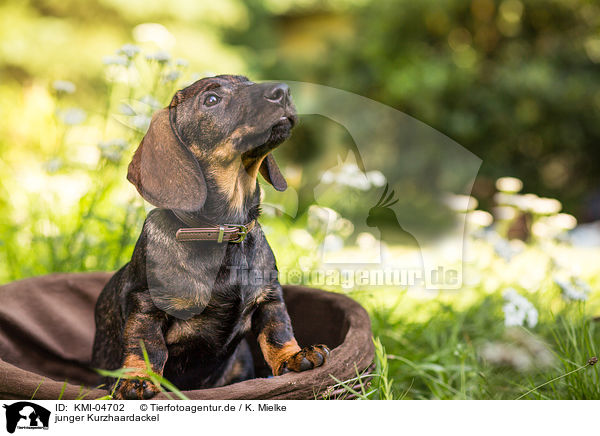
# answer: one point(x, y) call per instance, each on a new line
point(47, 330)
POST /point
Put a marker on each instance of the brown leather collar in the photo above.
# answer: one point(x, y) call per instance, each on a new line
point(219, 233)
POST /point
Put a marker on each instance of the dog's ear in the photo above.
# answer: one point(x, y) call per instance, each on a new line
point(271, 173)
point(165, 173)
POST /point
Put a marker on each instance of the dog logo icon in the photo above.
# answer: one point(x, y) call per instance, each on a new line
point(26, 415)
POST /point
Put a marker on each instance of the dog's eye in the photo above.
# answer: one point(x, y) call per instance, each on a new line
point(211, 100)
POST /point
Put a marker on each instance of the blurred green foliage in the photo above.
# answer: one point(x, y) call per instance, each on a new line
point(514, 82)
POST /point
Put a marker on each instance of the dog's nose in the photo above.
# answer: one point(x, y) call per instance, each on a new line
point(278, 93)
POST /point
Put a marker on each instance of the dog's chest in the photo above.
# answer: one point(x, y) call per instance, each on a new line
point(236, 290)
point(225, 319)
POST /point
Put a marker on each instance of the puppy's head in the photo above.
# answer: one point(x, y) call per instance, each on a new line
point(222, 128)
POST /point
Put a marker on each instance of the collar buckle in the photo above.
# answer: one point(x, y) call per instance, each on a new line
point(242, 232)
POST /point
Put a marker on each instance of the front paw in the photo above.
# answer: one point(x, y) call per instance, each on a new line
point(305, 359)
point(135, 389)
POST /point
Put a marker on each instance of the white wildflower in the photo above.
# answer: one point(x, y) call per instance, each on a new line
point(358, 181)
point(507, 249)
point(121, 70)
point(129, 50)
point(72, 116)
point(64, 86)
point(518, 310)
point(461, 203)
point(349, 174)
point(509, 184)
point(553, 226)
point(141, 122)
point(113, 149)
point(53, 165)
point(333, 243)
point(118, 143)
point(480, 218)
point(115, 60)
point(503, 213)
point(343, 227)
point(545, 206)
point(532, 317)
point(525, 202)
point(504, 199)
point(172, 76)
point(328, 177)
point(150, 101)
point(181, 63)
point(112, 156)
point(126, 109)
point(161, 56)
point(376, 178)
point(562, 221)
point(320, 217)
point(366, 241)
point(573, 288)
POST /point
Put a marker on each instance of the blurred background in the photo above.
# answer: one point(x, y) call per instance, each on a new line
point(514, 82)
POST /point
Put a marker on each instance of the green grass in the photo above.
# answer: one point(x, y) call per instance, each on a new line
point(440, 358)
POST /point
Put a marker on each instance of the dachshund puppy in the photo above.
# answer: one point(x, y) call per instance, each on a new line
point(182, 294)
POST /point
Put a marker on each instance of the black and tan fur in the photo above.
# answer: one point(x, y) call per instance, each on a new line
point(181, 298)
